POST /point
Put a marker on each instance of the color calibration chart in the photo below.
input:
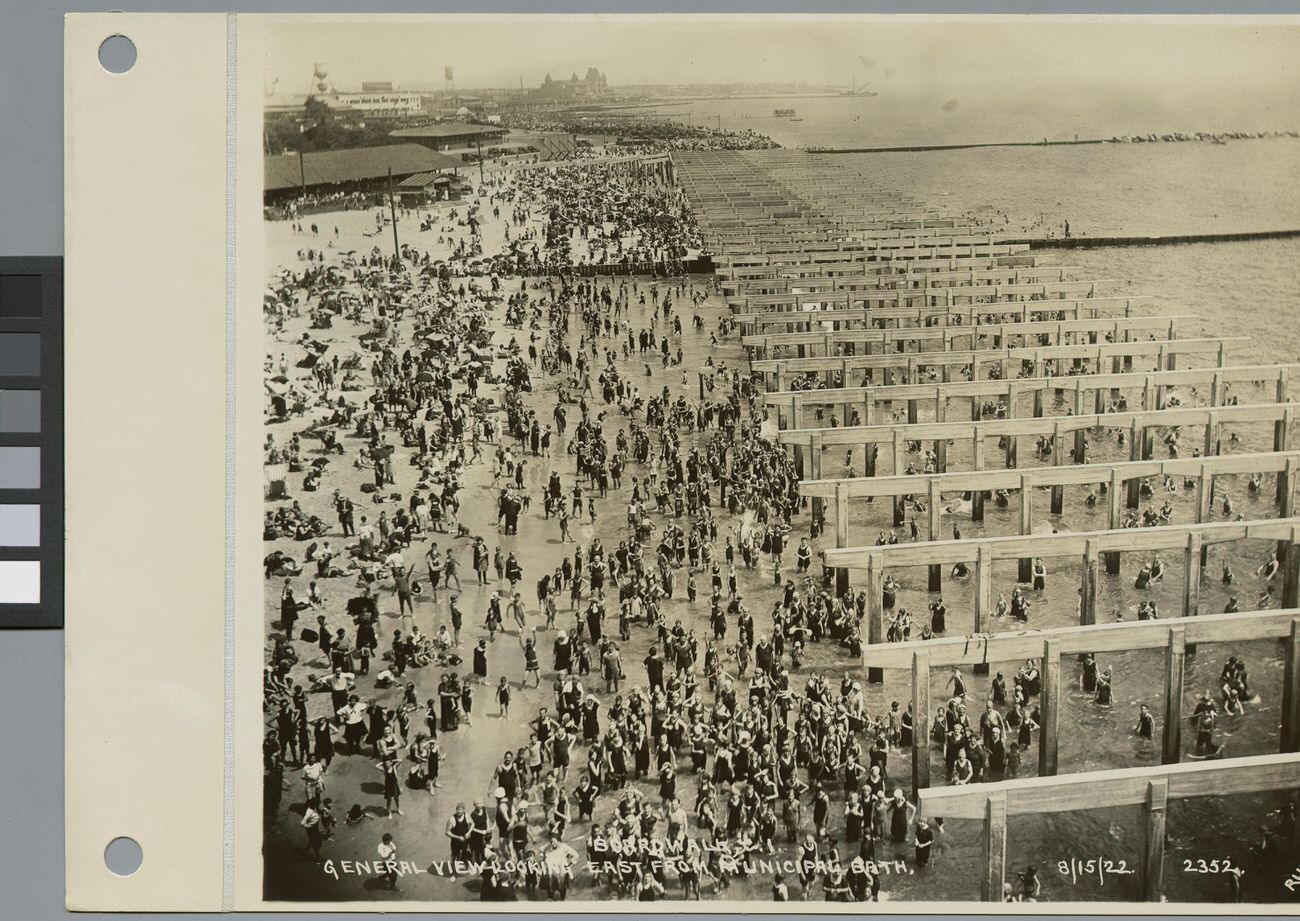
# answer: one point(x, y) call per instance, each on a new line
point(31, 441)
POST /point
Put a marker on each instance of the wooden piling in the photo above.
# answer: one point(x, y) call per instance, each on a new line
point(1058, 492)
point(1136, 436)
point(920, 722)
point(1116, 518)
point(1090, 586)
point(1290, 562)
point(875, 612)
point(815, 469)
point(933, 512)
point(1026, 524)
point(983, 598)
point(1175, 655)
point(995, 847)
point(1290, 741)
point(1049, 707)
point(1192, 576)
point(1153, 839)
point(841, 534)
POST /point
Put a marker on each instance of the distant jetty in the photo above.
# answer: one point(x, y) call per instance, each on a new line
point(1101, 242)
point(1222, 137)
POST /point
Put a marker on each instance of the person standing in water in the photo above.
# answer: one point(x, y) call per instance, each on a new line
point(1102, 695)
point(1146, 723)
point(901, 814)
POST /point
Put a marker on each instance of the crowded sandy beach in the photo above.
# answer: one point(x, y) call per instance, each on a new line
point(553, 602)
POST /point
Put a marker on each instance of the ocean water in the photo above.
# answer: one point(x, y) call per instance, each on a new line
point(1104, 189)
point(895, 119)
point(1101, 189)
point(1243, 289)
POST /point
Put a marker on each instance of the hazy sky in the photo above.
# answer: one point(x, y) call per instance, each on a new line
point(1257, 62)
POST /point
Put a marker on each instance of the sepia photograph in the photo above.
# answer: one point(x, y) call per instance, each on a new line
point(732, 460)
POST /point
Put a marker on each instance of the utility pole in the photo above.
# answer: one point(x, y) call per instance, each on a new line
point(302, 175)
point(392, 208)
point(478, 142)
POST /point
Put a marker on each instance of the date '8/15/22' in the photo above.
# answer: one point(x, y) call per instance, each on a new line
point(1080, 868)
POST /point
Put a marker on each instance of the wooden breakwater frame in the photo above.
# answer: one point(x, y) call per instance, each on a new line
point(792, 272)
point(925, 294)
point(1155, 385)
point(908, 276)
point(1285, 465)
point(1149, 787)
point(1176, 636)
point(956, 315)
point(1090, 547)
point(744, 254)
point(1058, 332)
point(970, 362)
point(808, 444)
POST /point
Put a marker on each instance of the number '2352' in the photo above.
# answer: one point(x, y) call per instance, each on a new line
point(1210, 866)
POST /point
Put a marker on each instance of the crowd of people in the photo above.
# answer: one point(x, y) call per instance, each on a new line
point(643, 131)
point(614, 213)
point(488, 452)
point(709, 505)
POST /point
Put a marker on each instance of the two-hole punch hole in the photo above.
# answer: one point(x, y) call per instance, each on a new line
point(123, 856)
point(117, 54)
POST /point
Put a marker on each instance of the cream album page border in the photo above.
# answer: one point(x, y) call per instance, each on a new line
point(145, 169)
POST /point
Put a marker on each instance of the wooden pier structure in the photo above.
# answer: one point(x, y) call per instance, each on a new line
point(1152, 788)
point(855, 302)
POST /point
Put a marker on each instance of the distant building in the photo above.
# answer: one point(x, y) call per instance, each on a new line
point(593, 86)
point(550, 145)
point(394, 102)
point(295, 103)
point(450, 135)
point(360, 169)
point(421, 188)
point(376, 98)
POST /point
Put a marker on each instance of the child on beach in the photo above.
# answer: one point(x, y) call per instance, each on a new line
point(503, 696)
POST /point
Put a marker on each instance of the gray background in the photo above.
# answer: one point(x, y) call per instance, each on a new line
point(31, 223)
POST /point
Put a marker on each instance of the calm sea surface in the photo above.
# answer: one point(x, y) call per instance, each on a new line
point(1246, 289)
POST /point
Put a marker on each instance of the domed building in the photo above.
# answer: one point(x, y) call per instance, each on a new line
point(594, 85)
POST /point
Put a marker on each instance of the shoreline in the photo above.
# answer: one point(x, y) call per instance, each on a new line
point(1164, 240)
point(1218, 138)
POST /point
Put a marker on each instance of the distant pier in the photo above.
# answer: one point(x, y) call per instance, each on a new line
point(1175, 138)
point(930, 147)
point(1166, 240)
